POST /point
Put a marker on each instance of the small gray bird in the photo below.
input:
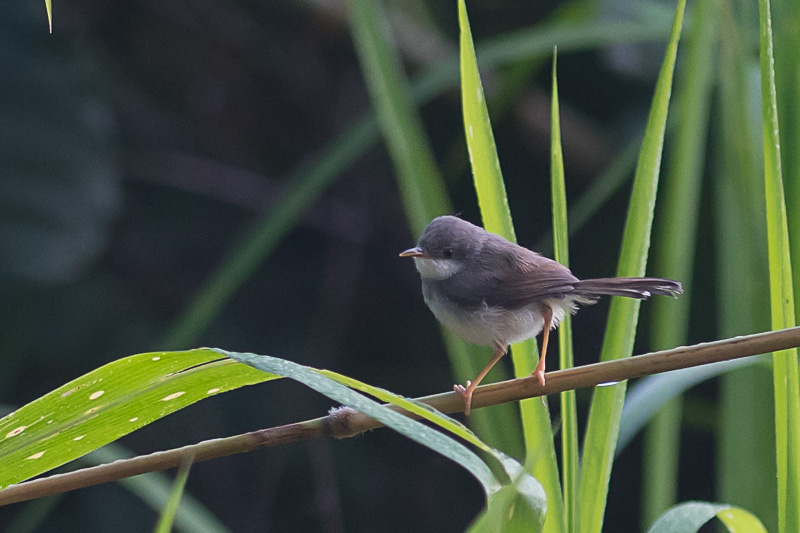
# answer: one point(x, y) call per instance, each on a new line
point(492, 292)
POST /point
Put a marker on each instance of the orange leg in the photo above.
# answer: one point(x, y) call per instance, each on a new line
point(466, 392)
point(547, 313)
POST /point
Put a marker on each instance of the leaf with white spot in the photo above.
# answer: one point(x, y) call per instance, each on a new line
point(110, 402)
point(80, 416)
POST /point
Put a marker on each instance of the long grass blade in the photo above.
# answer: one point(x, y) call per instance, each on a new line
point(539, 447)
point(606, 408)
point(787, 81)
point(746, 467)
point(421, 186)
point(569, 410)
point(170, 510)
point(154, 490)
point(786, 378)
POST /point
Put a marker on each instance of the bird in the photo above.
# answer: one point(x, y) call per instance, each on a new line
point(492, 292)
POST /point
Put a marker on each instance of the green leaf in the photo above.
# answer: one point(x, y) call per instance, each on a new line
point(131, 392)
point(336, 387)
point(688, 517)
point(170, 510)
point(488, 179)
point(606, 408)
point(522, 498)
point(489, 186)
point(422, 410)
point(511, 510)
point(521, 502)
point(569, 410)
point(786, 20)
point(400, 423)
point(108, 403)
point(786, 378)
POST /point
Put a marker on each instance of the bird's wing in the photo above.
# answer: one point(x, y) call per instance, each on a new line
point(511, 284)
point(519, 289)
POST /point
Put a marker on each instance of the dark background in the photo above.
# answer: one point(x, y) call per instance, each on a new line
point(142, 139)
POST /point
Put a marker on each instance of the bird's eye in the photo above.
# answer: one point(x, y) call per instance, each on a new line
point(448, 253)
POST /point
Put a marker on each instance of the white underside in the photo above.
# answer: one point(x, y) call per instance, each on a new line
point(497, 326)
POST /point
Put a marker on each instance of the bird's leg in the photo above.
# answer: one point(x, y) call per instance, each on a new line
point(547, 313)
point(466, 392)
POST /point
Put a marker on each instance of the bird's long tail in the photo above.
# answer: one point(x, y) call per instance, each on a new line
point(640, 288)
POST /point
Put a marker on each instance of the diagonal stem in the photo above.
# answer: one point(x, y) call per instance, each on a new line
point(344, 423)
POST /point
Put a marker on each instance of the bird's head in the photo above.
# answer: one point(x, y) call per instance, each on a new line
point(444, 247)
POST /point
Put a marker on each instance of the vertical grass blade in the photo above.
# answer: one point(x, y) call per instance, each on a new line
point(569, 411)
point(421, 185)
point(606, 408)
point(596, 194)
point(675, 245)
point(170, 510)
point(539, 447)
point(787, 81)
point(154, 490)
point(784, 363)
point(745, 470)
point(488, 178)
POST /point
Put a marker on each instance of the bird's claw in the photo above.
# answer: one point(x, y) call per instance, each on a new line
point(466, 394)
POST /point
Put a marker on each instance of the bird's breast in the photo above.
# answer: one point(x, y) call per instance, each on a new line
point(483, 325)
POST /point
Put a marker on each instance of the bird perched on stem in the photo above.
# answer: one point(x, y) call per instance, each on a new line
point(492, 292)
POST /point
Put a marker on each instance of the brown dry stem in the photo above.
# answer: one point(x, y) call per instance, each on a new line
point(345, 422)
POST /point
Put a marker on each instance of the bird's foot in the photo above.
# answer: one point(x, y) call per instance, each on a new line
point(539, 375)
point(466, 394)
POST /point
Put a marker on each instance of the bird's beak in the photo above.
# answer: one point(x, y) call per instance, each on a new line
point(413, 252)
